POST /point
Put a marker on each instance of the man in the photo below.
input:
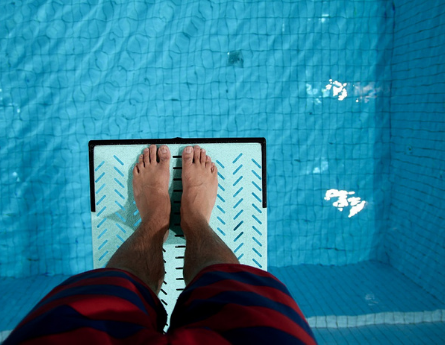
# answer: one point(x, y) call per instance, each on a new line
point(224, 302)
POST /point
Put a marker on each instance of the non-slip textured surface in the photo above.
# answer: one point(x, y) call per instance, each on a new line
point(239, 217)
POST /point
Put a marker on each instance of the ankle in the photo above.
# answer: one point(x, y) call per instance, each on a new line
point(190, 221)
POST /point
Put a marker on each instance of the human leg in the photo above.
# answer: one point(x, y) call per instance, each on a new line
point(200, 184)
point(114, 305)
point(225, 301)
point(141, 254)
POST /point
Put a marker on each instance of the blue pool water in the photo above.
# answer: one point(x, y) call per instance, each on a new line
point(348, 94)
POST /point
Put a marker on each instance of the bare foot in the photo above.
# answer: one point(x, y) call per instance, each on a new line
point(150, 187)
point(200, 185)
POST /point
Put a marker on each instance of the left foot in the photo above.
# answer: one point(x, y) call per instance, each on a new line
point(150, 187)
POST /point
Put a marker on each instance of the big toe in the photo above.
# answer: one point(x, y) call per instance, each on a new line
point(164, 154)
point(187, 155)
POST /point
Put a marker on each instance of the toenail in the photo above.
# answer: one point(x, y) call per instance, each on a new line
point(146, 149)
point(164, 149)
point(188, 149)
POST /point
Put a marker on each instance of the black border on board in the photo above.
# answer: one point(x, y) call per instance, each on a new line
point(93, 143)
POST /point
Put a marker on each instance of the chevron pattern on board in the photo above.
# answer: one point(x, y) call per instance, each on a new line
point(240, 192)
point(238, 216)
point(111, 226)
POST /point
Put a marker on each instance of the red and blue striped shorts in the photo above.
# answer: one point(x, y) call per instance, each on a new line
point(224, 304)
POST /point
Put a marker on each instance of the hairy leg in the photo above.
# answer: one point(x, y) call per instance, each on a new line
point(141, 254)
point(200, 185)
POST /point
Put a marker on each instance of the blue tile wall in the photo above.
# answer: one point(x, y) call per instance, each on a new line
point(415, 240)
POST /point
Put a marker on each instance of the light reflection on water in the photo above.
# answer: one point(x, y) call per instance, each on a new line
point(360, 91)
point(343, 201)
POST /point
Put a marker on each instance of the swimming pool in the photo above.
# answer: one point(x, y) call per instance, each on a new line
point(348, 94)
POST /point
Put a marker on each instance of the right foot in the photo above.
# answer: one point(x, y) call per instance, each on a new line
point(199, 184)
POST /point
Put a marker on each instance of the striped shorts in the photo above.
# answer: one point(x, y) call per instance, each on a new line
point(224, 304)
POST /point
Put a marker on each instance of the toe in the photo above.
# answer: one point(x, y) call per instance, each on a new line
point(136, 169)
point(208, 162)
point(196, 154)
point(164, 154)
point(152, 154)
point(213, 168)
point(141, 159)
point(146, 157)
point(203, 157)
point(187, 155)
